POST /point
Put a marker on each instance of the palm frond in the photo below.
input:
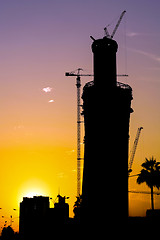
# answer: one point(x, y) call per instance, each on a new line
point(150, 174)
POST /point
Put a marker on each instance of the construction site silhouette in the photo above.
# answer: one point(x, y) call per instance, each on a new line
point(105, 104)
point(106, 110)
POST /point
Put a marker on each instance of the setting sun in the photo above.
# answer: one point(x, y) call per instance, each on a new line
point(33, 187)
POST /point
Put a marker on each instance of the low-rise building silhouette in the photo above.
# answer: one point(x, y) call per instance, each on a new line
point(37, 218)
point(33, 215)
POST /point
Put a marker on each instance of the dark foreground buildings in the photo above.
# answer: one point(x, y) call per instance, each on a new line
point(38, 220)
point(33, 215)
point(106, 109)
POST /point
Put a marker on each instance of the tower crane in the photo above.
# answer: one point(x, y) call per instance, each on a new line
point(116, 27)
point(133, 151)
point(78, 85)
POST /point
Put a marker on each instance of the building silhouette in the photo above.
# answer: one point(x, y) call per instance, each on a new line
point(37, 219)
point(106, 109)
point(61, 210)
point(33, 216)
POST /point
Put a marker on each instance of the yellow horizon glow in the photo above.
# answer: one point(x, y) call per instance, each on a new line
point(33, 187)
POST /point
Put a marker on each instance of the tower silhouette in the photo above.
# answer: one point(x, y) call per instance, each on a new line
point(106, 109)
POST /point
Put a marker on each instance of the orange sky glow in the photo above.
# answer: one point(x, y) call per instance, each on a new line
point(40, 41)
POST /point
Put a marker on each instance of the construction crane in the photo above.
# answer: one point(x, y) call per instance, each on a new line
point(133, 151)
point(116, 27)
point(78, 85)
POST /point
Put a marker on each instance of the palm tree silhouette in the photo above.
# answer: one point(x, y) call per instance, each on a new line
point(150, 174)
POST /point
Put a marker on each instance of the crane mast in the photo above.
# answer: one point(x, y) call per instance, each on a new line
point(78, 85)
point(134, 149)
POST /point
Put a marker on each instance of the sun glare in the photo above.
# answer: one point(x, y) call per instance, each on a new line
point(32, 193)
point(33, 187)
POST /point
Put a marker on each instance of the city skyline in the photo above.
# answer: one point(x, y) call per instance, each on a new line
point(40, 41)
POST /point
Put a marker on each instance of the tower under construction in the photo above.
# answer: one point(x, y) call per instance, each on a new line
point(106, 108)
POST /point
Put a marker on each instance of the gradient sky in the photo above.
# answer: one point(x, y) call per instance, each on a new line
point(39, 41)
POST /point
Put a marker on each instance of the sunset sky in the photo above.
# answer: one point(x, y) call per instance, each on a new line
point(39, 41)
